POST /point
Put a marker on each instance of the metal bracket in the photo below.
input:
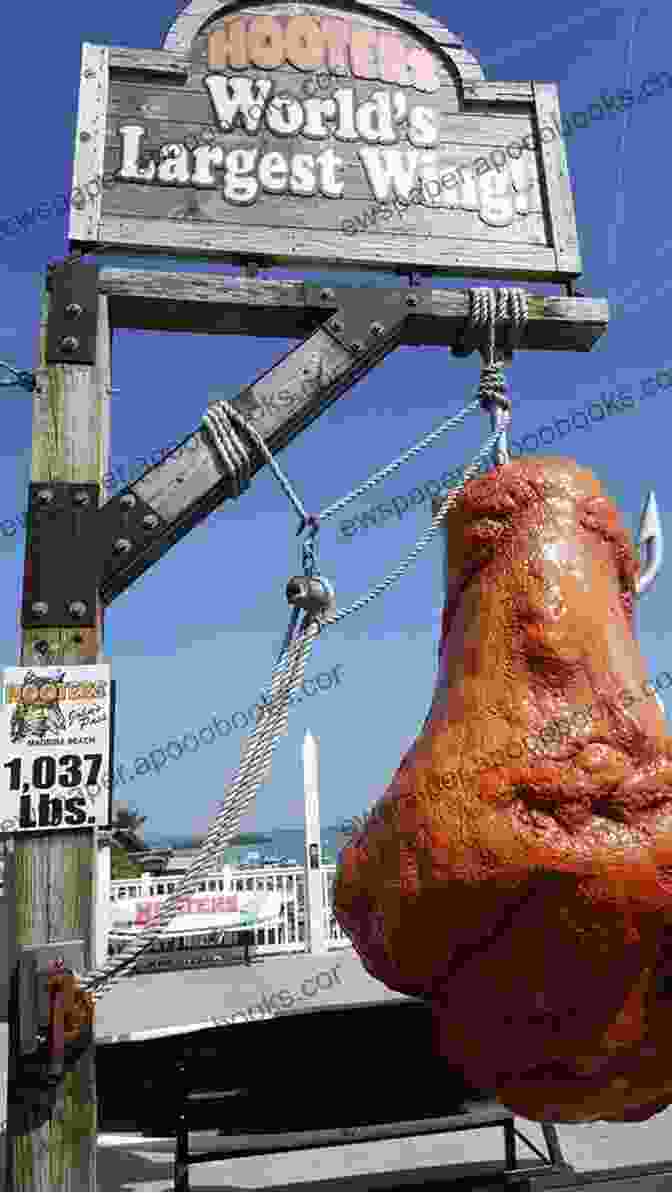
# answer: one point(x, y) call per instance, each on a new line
point(126, 526)
point(60, 584)
point(73, 546)
point(33, 988)
point(365, 317)
point(72, 324)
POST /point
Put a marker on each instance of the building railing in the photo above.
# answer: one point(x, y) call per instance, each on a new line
point(288, 935)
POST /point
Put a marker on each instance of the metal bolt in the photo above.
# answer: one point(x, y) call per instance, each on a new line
point(81, 497)
point(78, 201)
point(127, 501)
point(40, 608)
point(326, 295)
point(122, 545)
point(377, 329)
point(357, 346)
point(85, 136)
point(89, 74)
point(74, 310)
point(45, 496)
point(337, 324)
point(41, 647)
point(70, 343)
point(150, 521)
point(77, 608)
point(412, 300)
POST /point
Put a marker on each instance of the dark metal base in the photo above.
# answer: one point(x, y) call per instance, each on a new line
point(400, 1086)
point(638, 1176)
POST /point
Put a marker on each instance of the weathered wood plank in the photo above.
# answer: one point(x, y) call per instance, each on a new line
point(153, 62)
point(450, 256)
point(208, 303)
point(53, 874)
point(495, 91)
point(129, 96)
point(557, 180)
point(189, 108)
point(90, 141)
point(185, 29)
point(450, 216)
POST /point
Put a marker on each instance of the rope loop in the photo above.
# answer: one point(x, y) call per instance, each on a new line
point(486, 308)
point(493, 389)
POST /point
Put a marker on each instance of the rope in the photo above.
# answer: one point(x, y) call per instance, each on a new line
point(485, 309)
point(257, 752)
point(219, 429)
point(22, 378)
point(451, 497)
point(220, 421)
point(254, 768)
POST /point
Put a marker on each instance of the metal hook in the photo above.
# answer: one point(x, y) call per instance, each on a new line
point(651, 539)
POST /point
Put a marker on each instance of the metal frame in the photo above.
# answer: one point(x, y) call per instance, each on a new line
point(474, 1115)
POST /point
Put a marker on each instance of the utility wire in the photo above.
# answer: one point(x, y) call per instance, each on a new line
point(619, 218)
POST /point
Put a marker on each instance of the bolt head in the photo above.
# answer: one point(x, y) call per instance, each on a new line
point(326, 295)
point(74, 310)
point(412, 300)
point(357, 345)
point(377, 329)
point(45, 496)
point(121, 546)
point(81, 497)
point(40, 608)
point(70, 343)
point(337, 324)
point(127, 501)
point(150, 521)
point(77, 608)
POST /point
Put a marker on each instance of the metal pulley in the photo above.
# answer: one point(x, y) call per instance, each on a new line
point(313, 594)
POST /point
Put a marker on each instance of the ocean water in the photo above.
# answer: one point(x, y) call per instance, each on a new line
point(290, 842)
point(284, 842)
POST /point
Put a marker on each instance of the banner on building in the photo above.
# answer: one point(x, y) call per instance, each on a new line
point(200, 913)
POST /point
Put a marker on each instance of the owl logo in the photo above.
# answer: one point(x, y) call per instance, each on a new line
point(37, 712)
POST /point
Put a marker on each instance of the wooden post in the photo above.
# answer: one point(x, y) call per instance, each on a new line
point(52, 878)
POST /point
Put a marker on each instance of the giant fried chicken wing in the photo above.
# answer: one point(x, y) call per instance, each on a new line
point(526, 891)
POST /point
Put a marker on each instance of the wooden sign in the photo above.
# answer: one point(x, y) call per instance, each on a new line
point(311, 133)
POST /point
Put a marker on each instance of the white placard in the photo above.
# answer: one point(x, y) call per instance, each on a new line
point(55, 734)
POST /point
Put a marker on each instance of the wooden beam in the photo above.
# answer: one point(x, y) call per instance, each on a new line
point(192, 481)
point(51, 1138)
point(152, 300)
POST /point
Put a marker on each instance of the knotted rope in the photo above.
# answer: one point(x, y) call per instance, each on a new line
point(228, 430)
point(486, 308)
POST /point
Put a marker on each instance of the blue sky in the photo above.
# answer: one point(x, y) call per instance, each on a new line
point(197, 636)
